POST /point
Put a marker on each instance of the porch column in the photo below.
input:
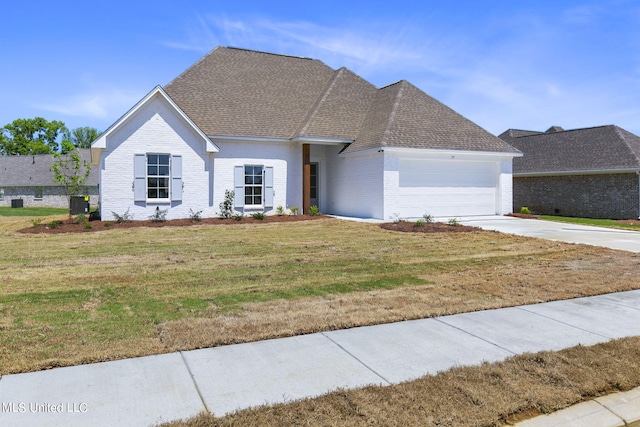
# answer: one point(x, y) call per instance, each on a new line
point(306, 178)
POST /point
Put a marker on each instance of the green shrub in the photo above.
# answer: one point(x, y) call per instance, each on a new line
point(294, 210)
point(454, 221)
point(124, 218)
point(159, 215)
point(525, 210)
point(238, 216)
point(226, 206)
point(280, 210)
point(258, 215)
point(54, 224)
point(419, 223)
point(195, 216)
point(427, 218)
point(314, 211)
point(108, 223)
point(36, 222)
point(87, 226)
point(80, 219)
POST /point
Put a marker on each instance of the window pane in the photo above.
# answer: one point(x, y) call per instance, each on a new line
point(248, 200)
point(257, 170)
point(257, 191)
point(152, 170)
point(152, 182)
point(248, 179)
point(152, 159)
point(163, 159)
point(163, 182)
point(257, 180)
point(153, 193)
point(248, 170)
point(163, 193)
point(163, 170)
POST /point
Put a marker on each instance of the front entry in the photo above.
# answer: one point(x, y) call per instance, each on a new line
point(314, 191)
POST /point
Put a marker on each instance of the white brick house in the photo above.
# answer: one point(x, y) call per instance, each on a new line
point(289, 131)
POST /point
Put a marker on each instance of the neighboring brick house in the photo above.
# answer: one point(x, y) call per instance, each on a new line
point(289, 131)
point(591, 172)
point(30, 178)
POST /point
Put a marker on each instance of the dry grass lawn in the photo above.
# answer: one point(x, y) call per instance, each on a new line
point(68, 299)
point(482, 396)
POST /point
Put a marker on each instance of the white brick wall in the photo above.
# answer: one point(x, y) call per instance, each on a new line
point(285, 158)
point(154, 128)
point(505, 186)
point(355, 184)
point(359, 185)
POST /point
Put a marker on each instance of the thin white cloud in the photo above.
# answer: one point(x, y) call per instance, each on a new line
point(96, 104)
point(583, 15)
point(362, 49)
point(528, 72)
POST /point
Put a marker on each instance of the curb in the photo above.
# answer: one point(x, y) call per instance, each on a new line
point(614, 410)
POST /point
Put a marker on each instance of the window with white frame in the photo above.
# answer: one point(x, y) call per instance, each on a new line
point(158, 176)
point(38, 193)
point(253, 185)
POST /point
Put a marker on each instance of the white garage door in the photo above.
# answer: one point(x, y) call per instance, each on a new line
point(447, 187)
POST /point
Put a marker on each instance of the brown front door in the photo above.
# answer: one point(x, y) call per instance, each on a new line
point(314, 191)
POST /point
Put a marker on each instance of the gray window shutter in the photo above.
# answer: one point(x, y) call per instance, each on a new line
point(238, 186)
point(140, 177)
point(268, 186)
point(176, 178)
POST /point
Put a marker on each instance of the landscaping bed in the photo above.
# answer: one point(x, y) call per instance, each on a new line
point(428, 227)
point(59, 226)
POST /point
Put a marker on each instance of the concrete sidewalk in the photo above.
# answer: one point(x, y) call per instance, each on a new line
point(563, 232)
point(150, 390)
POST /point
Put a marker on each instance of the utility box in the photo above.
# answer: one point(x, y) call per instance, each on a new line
point(79, 205)
point(16, 203)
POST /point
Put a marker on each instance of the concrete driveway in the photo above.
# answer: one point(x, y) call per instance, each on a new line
point(563, 232)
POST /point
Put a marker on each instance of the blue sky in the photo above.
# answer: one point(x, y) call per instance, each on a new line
point(503, 64)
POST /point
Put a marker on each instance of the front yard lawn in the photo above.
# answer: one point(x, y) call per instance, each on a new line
point(611, 223)
point(85, 297)
point(31, 211)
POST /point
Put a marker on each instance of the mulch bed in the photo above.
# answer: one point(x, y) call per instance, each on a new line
point(521, 215)
point(428, 227)
point(66, 227)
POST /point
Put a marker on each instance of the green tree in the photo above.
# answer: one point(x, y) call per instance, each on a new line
point(31, 136)
point(70, 171)
point(82, 137)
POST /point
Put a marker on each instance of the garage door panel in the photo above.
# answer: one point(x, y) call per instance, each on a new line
point(447, 188)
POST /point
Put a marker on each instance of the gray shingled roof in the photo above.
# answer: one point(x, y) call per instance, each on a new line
point(35, 171)
point(603, 148)
point(237, 92)
point(413, 119)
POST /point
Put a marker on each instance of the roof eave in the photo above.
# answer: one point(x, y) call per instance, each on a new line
point(436, 151)
point(101, 143)
point(577, 172)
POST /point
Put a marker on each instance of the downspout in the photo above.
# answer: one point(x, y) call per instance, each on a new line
point(638, 173)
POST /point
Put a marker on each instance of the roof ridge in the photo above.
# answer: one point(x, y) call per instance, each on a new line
point(538, 133)
point(394, 110)
point(617, 130)
point(268, 53)
point(192, 65)
point(321, 99)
